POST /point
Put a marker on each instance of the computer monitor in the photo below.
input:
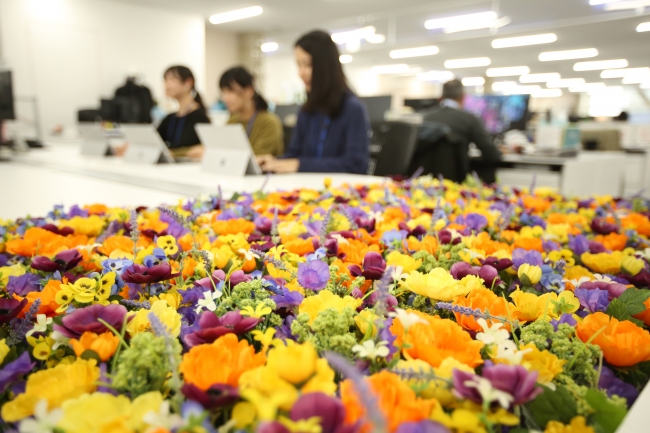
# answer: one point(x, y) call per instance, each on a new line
point(377, 106)
point(7, 111)
point(499, 113)
point(421, 104)
point(283, 111)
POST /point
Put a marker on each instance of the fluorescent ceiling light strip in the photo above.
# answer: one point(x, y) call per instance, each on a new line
point(521, 41)
point(414, 52)
point(547, 93)
point(583, 53)
point(566, 82)
point(345, 58)
point(625, 5)
point(499, 86)
point(643, 27)
point(476, 25)
point(601, 2)
point(353, 35)
point(238, 14)
point(467, 63)
point(473, 81)
point(620, 73)
point(269, 47)
point(508, 72)
point(460, 20)
point(539, 78)
point(598, 65)
point(636, 79)
point(585, 87)
point(522, 90)
point(436, 76)
point(390, 69)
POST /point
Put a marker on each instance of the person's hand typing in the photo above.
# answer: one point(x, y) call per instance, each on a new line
point(269, 163)
point(195, 152)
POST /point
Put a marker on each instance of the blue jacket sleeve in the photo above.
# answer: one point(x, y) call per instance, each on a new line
point(297, 138)
point(356, 152)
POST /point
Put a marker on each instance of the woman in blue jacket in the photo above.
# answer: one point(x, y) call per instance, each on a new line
point(333, 130)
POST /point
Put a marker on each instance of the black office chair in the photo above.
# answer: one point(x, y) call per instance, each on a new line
point(440, 152)
point(391, 148)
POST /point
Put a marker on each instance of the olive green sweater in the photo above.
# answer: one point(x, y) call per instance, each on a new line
point(266, 135)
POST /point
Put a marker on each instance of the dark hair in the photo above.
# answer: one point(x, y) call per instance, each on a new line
point(328, 82)
point(183, 73)
point(244, 78)
point(453, 90)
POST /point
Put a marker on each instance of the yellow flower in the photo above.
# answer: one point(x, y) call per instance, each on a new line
point(578, 425)
point(10, 271)
point(559, 232)
point(407, 262)
point(167, 315)
point(603, 263)
point(91, 226)
point(437, 284)
point(173, 299)
point(259, 311)
point(84, 290)
point(105, 285)
point(4, 350)
point(632, 265)
point(42, 351)
point(56, 385)
point(141, 406)
point(529, 274)
point(325, 299)
point(544, 362)
point(438, 389)
point(309, 425)
point(295, 364)
point(564, 303)
point(365, 321)
point(266, 337)
point(265, 383)
point(168, 244)
point(529, 306)
point(423, 220)
point(565, 254)
point(96, 413)
point(471, 282)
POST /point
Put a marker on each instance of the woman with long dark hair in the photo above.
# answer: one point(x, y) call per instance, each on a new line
point(332, 132)
point(177, 129)
point(248, 108)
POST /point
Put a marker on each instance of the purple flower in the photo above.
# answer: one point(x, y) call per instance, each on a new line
point(424, 426)
point(475, 221)
point(593, 300)
point(313, 275)
point(14, 371)
point(374, 266)
point(288, 299)
point(460, 270)
point(446, 237)
point(329, 410)
point(239, 277)
point(392, 236)
point(217, 396)
point(213, 281)
point(9, 308)
point(490, 275)
point(564, 319)
point(578, 244)
point(23, 284)
point(520, 383)
point(615, 386)
point(549, 246)
point(464, 391)
point(86, 319)
point(614, 290)
point(498, 264)
point(602, 227)
point(62, 262)
point(521, 256)
point(263, 224)
point(212, 327)
point(596, 247)
point(141, 274)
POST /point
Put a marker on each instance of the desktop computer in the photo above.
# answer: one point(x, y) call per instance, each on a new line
point(499, 113)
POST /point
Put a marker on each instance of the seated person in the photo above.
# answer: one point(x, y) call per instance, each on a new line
point(248, 108)
point(332, 131)
point(177, 129)
point(449, 155)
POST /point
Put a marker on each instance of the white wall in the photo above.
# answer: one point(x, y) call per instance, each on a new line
point(69, 53)
point(221, 53)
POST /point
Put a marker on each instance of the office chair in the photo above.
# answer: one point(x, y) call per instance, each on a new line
point(440, 152)
point(391, 148)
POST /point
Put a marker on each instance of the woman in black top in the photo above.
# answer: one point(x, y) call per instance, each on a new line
point(177, 129)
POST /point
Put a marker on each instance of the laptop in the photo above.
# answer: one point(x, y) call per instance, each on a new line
point(95, 142)
point(227, 150)
point(145, 145)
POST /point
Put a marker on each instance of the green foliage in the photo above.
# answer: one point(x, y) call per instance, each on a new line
point(550, 405)
point(637, 375)
point(607, 415)
point(628, 304)
point(429, 262)
point(330, 331)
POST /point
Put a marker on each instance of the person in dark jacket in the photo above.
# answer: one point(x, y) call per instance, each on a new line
point(445, 135)
point(177, 129)
point(333, 129)
point(133, 103)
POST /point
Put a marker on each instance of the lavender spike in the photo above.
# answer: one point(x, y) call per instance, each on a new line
point(266, 181)
point(20, 327)
point(381, 303)
point(417, 173)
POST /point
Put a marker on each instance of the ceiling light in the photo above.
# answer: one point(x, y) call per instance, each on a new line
point(585, 87)
point(625, 5)
point(539, 78)
point(521, 41)
point(414, 52)
point(390, 69)
point(376, 38)
point(499, 86)
point(522, 90)
point(458, 20)
point(353, 35)
point(566, 82)
point(238, 14)
point(600, 65)
point(269, 47)
point(549, 56)
point(473, 81)
point(353, 46)
point(620, 73)
point(467, 63)
point(441, 76)
point(643, 27)
point(345, 58)
point(477, 25)
point(636, 79)
point(601, 2)
point(508, 72)
point(547, 93)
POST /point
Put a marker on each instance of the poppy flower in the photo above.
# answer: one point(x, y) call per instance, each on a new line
point(141, 274)
point(86, 319)
point(212, 327)
point(374, 266)
point(64, 261)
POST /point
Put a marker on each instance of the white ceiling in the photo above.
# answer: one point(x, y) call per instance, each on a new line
point(576, 23)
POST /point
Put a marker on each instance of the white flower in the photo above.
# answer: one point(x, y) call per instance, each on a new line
point(396, 275)
point(369, 350)
point(249, 255)
point(377, 216)
point(509, 351)
point(162, 419)
point(492, 334)
point(88, 248)
point(490, 393)
point(473, 254)
point(339, 239)
point(208, 301)
point(602, 278)
point(576, 283)
point(60, 340)
point(41, 324)
point(645, 254)
point(406, 318)
point(43, 421)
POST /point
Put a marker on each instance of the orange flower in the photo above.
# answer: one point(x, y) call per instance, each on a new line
point(485, 243)
point(397, 401)
point(529, 244)
point(436, 340)
point(483, 299)
point(233, 226)
point(189, 265)
point(154, 225)
point(104, 345)
point(355, 250)
point(645, 316)
point(48, 304)
point(220, 362)
point(38, 241)
point(623, 343)
point(121, 243)
point(428, 244)
point(299, 246)
point(612, 241)
point(96, 209)
point(637, 221)
point(536, 204)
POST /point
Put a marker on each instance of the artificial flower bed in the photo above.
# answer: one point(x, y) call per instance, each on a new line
point(415, 306)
